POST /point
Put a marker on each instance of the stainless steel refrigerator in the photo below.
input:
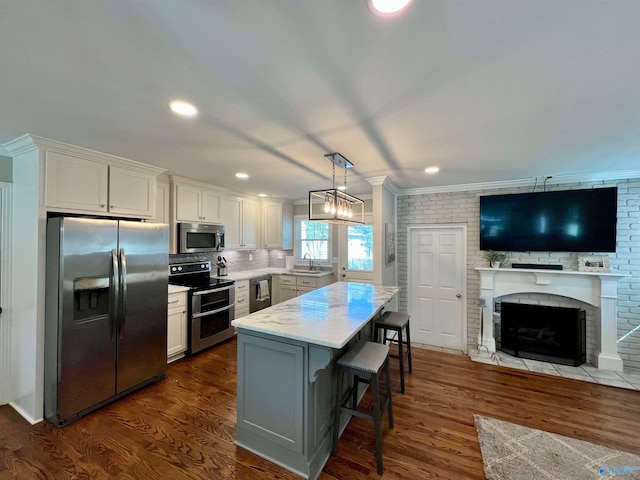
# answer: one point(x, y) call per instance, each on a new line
point(106, 312)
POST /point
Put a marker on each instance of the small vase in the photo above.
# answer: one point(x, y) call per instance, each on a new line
point(495, 264)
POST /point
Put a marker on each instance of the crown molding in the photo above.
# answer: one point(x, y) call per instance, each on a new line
point(29, 142)
point(385, 181)
point(524, 182)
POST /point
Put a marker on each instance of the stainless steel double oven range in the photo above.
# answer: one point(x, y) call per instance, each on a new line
point(211, 304)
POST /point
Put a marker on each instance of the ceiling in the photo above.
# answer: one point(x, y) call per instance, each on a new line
point(487, 90)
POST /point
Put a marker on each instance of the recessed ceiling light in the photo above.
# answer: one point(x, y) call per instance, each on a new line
point(262, 194)
point(431, 170)
point(184, 109)
point(242, 175)
point(387, 7)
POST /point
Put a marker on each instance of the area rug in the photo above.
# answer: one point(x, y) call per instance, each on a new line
point(514, 452)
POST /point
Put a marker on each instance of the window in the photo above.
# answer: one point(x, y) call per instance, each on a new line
point(360, 247)
point(313, 238)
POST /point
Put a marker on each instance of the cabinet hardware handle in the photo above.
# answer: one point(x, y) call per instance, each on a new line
point(175, 301)
point(102, 205)
point(112, 206)
point(343, 275)
point(204, 218)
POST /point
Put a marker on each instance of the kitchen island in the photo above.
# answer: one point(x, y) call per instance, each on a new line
point(287, 373)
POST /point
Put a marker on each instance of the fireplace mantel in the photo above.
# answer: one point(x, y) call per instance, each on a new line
point(595, 288)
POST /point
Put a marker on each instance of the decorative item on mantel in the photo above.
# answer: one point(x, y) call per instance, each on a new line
point(593, 263)
point(495, 259)
point(335, 205)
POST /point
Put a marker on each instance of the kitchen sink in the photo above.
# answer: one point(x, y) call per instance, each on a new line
point(308, 272)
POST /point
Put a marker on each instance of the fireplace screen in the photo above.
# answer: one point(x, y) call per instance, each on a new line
point(550, 334)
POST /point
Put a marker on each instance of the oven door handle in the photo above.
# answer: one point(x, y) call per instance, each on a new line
point(198, 293)
point(211, 312)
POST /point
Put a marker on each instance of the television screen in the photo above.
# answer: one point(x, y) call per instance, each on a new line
point(563, 221)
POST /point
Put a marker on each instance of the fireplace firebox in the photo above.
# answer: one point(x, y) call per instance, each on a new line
point(538, 332)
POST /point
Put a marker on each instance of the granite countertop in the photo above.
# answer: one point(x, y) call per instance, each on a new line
point(259, 272)
point(329, 316)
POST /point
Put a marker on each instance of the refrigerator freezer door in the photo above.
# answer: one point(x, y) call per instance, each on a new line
point(81, 351)
point(142, 329)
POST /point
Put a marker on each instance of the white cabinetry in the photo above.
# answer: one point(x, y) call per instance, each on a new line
point(241, 218)
point(306, 284)
point(242, 298)
point(291, 286)
point(85, 185)
point(195, 203)
point(277, 225)
point(176, 326)
point(163, 189)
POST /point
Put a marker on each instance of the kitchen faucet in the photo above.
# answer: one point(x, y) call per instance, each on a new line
point(310, 260)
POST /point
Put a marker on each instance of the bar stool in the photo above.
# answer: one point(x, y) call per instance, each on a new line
point(365, 362)
point(396, 322)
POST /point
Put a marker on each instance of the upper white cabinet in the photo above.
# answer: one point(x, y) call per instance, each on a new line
point(241, 218)
point(85, 185)
point(132, 192)
point(196, 203)
point(277, 225)
point(75, 183)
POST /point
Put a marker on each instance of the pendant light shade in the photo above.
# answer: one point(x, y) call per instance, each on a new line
point(333, 205)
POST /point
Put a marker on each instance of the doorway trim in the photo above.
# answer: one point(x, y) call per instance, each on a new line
point(6, 353)
point(451, 226)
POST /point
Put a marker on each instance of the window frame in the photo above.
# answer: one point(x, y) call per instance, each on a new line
point(297, 245)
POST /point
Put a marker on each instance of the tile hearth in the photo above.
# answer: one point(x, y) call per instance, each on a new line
point(586, 373)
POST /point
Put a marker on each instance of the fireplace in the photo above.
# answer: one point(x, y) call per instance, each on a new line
point(598, 289)
point(537, 332)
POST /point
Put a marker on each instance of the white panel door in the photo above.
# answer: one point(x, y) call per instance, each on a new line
point(436, 295)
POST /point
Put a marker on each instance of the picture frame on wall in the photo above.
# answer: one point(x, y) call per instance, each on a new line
point(389, 244)
point(593, 263)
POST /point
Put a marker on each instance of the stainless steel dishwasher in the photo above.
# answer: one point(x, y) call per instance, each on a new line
point(260, 293)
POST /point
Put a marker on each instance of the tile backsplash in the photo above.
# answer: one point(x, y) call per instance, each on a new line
point(238, 261)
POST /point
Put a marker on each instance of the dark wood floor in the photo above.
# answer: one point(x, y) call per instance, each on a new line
point(184, 426)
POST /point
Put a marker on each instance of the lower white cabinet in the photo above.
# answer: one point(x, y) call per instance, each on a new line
point(176, 326)
point(287, 292)
point(291, 286)
point(242, 298)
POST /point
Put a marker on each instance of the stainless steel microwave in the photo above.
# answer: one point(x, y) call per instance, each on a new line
point(198, 237)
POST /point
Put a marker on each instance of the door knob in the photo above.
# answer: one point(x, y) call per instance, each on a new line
point(458, 296)
point(344, 268)
point(343, 275)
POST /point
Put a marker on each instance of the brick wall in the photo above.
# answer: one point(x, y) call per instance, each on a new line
point(463, 208)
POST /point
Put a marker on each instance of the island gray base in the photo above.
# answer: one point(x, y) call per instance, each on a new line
point(286, 400)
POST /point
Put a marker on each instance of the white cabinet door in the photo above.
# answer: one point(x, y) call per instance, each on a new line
point(210, 210)
point(176, 326)
point(231, 217)
point(272, 225)
point(277, 225)
point(188, 201)
point(132, 192)
point(287, 292)
point(250, 223)
point(241, 218)
point(75, 184)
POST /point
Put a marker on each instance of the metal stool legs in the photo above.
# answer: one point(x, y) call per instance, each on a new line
point(348, 402)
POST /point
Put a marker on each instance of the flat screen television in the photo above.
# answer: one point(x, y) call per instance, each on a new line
point(562, 221)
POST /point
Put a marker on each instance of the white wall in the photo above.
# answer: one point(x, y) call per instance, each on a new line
point(384, 214)
point(27, 289)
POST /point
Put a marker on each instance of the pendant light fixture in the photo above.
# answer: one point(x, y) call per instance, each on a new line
point(335, 205)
